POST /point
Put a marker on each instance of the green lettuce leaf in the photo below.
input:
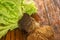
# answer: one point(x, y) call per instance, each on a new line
point(29, 7)
point(11, 11)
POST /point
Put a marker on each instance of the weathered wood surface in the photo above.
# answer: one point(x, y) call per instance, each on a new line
point(14, 35)
point(49, 14)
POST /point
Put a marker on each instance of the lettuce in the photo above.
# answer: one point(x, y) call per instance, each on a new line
point(11, 11)
point(29, 7)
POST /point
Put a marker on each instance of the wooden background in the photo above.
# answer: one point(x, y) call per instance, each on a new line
point(14, 35)
point(49, 14)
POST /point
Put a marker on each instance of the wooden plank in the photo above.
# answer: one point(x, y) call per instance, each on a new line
point(18, 35)
point(8, 36)
point(13, 35)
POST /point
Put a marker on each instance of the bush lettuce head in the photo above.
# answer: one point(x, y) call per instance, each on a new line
point(29, 7)
point(11, 11)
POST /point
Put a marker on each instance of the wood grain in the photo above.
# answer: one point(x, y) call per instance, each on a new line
point(49, 12)
point(8, 36)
